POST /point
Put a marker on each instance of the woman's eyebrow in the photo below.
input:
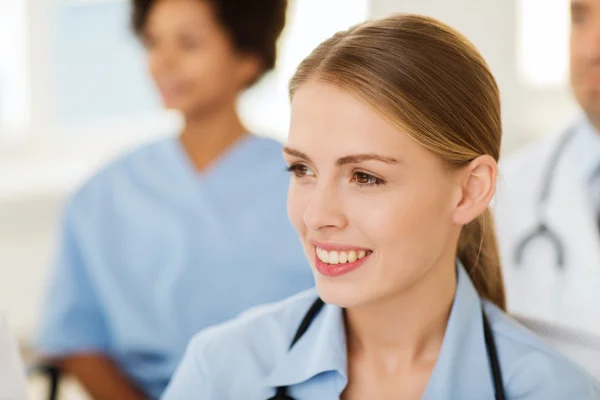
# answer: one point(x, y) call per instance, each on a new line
point(295, 153)
point(350, 159)
point(358, 158)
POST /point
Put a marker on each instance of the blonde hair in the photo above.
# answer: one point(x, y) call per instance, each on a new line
point(429, 81)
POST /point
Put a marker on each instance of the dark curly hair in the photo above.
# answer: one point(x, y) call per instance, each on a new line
point(253, 26)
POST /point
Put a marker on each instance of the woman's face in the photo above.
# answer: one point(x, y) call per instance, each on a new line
point(372, 206)
point(191, 58)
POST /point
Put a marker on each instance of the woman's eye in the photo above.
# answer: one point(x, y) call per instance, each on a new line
point(365, 179)
point(299, 170)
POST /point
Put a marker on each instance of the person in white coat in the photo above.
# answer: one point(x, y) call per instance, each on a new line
point(548, 202)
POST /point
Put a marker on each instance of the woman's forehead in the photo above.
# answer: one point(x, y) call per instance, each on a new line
point(325, 117)
point(323, 103)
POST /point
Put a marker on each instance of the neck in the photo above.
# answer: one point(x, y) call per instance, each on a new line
point(207, 135)
point(405, 329)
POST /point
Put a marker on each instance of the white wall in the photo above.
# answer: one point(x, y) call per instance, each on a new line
point(27, 232)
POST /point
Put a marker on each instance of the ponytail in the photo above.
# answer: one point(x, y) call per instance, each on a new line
point(478, 252)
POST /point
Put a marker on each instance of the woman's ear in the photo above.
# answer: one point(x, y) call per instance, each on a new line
point(477, 185)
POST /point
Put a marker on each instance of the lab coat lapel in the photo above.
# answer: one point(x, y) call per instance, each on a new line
point(569, 214)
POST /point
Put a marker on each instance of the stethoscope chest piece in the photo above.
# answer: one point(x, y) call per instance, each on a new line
point(541, 232)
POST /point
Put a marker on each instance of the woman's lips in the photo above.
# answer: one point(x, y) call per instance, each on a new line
point(339, 261)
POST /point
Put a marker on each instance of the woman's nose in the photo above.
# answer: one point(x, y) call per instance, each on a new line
point(325, 209)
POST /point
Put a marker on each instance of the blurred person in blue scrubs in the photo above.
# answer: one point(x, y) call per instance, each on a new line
point(185, 232)
point(393, 149)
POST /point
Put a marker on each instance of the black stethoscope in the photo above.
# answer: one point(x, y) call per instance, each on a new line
point(541, 229)
point(490, 346)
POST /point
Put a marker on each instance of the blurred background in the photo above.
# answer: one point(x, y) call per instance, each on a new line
point(74, 93)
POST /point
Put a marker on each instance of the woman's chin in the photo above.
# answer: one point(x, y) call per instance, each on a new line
point(174, 106)
point(178, 103)
point(343, 294)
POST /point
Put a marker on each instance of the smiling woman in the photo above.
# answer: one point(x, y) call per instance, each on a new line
point(433, 137)
point(393, 147)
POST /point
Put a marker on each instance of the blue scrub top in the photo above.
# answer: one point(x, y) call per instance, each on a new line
point(248, 357)
point(152, 252)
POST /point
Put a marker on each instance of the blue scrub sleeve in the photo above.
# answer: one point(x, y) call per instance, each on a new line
point(72, 321)
point(190, 380)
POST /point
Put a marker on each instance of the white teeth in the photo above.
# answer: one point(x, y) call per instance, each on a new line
point(352, 256)
point(339, 257)
point(323, 255)
point(343, 257)
point(333, 257)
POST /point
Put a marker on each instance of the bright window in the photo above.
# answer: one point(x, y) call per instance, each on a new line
point(543, 42)
point(99, 66)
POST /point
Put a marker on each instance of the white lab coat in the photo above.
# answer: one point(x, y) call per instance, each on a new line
point(12, 372)
point(537, 288)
